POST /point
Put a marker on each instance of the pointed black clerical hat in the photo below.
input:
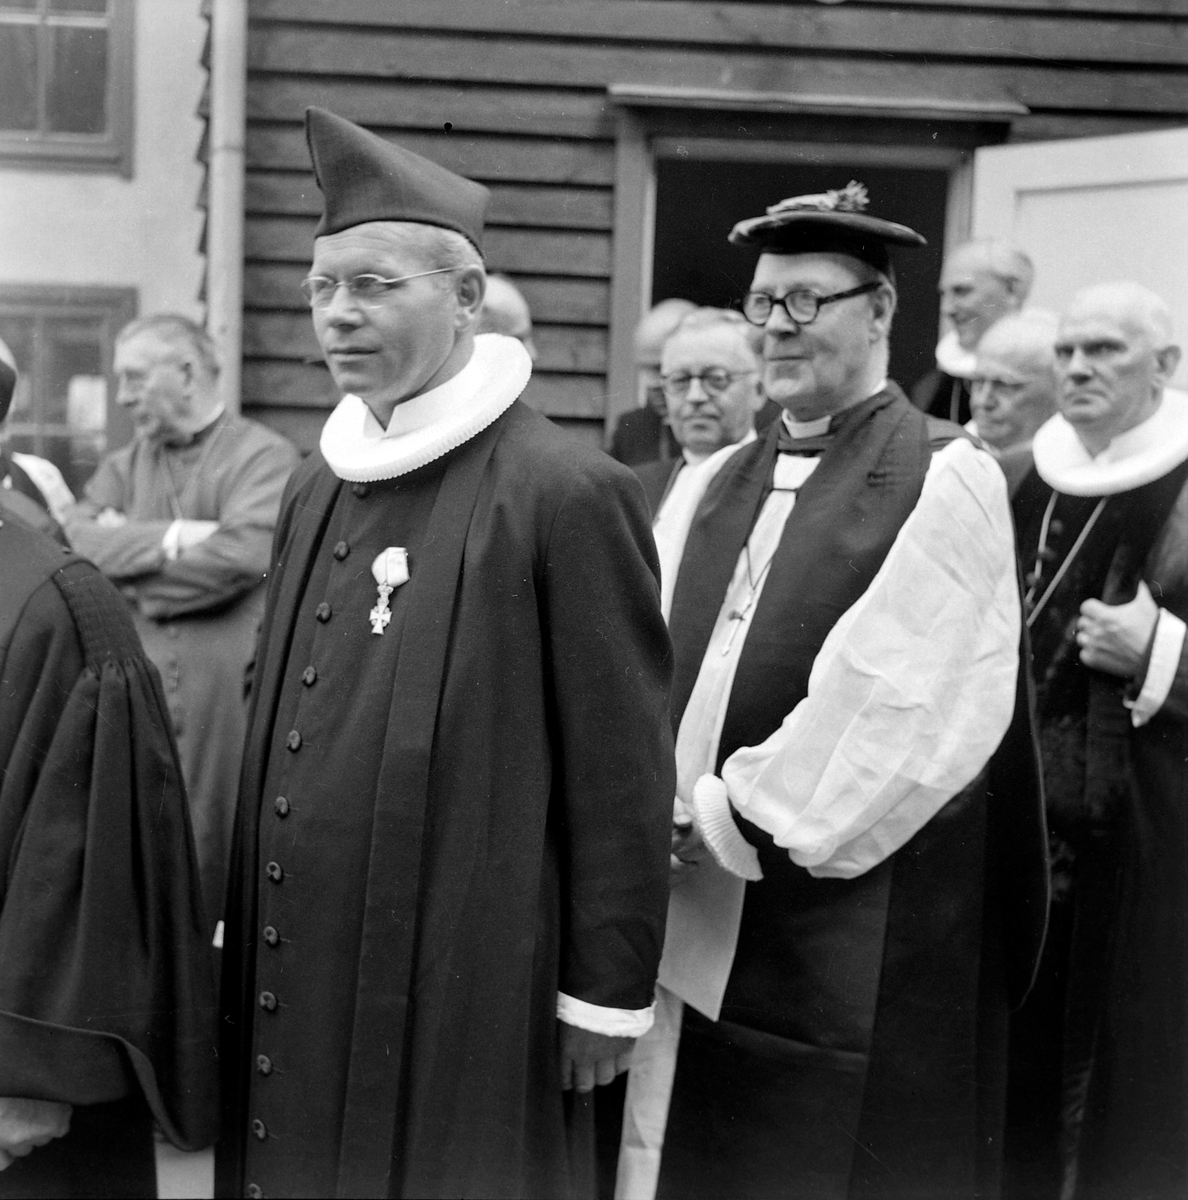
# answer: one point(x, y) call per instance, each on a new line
point(830, 222)
point(365, 178)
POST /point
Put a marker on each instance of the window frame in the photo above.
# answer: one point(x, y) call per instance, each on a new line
point(110, 152)
point(114, 306)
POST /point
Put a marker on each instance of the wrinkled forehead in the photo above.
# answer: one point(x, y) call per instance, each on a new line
point(140, 351)
point(819, 272)
point(717, 345)
point(1013, 364)
point(1102, 322)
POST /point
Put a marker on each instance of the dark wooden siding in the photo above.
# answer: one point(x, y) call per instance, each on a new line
point(514, 94)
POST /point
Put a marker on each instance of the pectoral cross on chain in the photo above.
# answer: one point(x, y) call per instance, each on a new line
point(381, 614)
point(738, 616)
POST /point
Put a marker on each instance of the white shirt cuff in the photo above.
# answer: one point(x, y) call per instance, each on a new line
point(711, 806)
point(610, 1022)
point(171, 542)
point(1166, 648)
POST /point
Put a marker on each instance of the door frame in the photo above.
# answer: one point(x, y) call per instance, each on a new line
point(940, 135)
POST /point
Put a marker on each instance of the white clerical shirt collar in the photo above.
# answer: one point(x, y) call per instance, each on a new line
point(358, 449)
point(820, 426)
point(1139, 456)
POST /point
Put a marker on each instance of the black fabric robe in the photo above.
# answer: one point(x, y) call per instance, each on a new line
point(861, 1046)
point(943, 396)
point(520, 818)
point(1099, 1089)
point(106, 995)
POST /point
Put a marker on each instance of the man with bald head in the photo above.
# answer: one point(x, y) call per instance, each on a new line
point(643, 434)
point(981, 282)
point(1099, 1088)
point(506, 311)
point(1014, 388)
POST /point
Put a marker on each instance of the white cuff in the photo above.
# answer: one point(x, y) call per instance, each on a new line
point(610, 1022)
point(1166, 648)
point(711, 805)
point(171, 542)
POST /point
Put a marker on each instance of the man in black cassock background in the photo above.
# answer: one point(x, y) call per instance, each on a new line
point(454, 819)
point(106, 997)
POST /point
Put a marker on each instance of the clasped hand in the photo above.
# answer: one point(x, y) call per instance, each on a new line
point(27, 1124)
point(1114, 637)
point(589, 1058)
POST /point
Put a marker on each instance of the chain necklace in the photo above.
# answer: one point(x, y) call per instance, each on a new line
point(1036, 574)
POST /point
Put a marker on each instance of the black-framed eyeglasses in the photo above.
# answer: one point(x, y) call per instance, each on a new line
point(367, 290)
point(802, 305)
point(714, 382)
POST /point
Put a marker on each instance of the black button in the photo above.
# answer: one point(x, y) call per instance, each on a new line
point(293, 741)
point(263, 1064)
point(268, 1001)
point(270, 934)
point(360, 490)
point(258, 1129)
point(274, 872)
point(341, 551)
point(282, 806)
point(322, 612)
point(309, 676)
point(254, 1191)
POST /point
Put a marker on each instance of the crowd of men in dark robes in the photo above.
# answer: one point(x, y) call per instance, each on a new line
point(800, 809)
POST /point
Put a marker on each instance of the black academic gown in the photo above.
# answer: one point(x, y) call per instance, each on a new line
point(943, 396)
point(106, 997)
point(861, 1046)
point(518, 791)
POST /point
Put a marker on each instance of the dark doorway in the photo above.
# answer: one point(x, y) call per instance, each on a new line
point(699, 200)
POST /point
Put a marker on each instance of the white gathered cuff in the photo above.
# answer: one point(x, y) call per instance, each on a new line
point(610, 1022)
point(733, 853)
point(171, 542)
point(1166, 648)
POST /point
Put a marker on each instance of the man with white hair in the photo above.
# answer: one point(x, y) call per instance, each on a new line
point(453, 829)
point(981, 282)
point(710, 373)
point(643, 434)
point(1014, 388)
point(1099, 1089)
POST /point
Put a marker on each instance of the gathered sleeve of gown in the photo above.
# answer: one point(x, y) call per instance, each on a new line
point(107, 979)
point(909, 696)
point(611, 665)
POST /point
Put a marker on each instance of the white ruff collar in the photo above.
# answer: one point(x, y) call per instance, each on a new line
point(953, 360)
point(422, 429)
point(1140, 455)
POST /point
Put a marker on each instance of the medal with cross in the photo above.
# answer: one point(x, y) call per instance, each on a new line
point(389, 571)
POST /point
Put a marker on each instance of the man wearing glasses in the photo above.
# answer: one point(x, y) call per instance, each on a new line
point(846, 625)
point(454, 823)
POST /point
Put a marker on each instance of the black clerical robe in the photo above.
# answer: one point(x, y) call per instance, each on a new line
point(860, 1047)
point(444, 824)
point(106, 997)
point(1099, 1084)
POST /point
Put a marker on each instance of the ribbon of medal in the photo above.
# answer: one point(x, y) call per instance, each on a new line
point(389, 571)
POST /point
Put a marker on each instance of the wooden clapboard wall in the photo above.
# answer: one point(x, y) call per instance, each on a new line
point(513, 93)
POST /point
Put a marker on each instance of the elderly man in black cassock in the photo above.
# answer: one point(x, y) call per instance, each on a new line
point(860, 878)
point(106, 988)
point(453, 832)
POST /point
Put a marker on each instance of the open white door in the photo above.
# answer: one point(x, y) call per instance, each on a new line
point(1090, 210)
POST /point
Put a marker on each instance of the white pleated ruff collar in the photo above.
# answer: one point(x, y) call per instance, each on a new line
point(1139, 456)
point(358, 449)
point(953, 359)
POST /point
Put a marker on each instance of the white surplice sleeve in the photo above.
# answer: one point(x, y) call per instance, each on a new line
point(911, 692)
